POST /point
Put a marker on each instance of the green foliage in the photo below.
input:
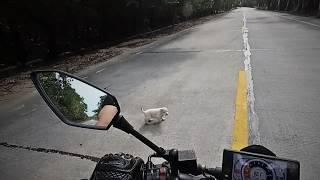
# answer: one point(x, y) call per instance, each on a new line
point(68, 101)
point(100, 106)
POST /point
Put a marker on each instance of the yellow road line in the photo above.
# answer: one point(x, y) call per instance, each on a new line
point(240, 130)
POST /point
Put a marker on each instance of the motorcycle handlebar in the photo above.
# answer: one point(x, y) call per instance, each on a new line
point(216, 172)
point(164, 173)
point(190, 177)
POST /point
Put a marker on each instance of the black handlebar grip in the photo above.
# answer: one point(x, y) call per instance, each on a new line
point(216, 172)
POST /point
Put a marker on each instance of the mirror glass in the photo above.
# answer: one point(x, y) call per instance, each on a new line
point(79, 103)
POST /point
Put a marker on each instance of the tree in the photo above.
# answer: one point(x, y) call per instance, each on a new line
point(100, 106)
point(67, 100)
point(38, 29)
point(299, 6)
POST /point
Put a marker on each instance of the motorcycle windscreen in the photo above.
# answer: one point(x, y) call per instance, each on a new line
point(238, 165)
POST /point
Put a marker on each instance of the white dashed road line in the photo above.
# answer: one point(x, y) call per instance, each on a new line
point(100, 71)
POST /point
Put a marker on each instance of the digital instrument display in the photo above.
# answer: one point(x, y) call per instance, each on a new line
point(250, 166)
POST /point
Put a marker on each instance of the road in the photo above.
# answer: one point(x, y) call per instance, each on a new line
point(194, 73)
point(286, 72)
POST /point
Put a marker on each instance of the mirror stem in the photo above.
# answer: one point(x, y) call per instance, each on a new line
point(125, 126)
point(157, 149)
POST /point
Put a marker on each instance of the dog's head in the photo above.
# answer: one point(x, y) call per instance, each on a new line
point(164, 111)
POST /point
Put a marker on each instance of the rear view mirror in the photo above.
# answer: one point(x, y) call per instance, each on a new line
point(75, 101)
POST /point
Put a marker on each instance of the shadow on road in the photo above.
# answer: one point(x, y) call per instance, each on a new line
point(155, 129)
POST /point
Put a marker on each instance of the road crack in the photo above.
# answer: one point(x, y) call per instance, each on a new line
point(52, 151)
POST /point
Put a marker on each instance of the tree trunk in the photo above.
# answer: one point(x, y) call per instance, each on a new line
point(269, 5)
point(287, 6)
point(298, 6)
point(303, 5)
point(319, 10)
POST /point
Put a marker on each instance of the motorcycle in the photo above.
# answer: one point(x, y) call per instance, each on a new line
point(78, 103)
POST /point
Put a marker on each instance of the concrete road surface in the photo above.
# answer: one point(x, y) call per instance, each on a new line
point(194, 73)
point(286, 71)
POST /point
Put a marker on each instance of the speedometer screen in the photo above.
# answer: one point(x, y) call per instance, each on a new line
point(247, 167)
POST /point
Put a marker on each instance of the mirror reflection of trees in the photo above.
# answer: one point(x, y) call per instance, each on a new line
point(70, 103)
point(100, 106)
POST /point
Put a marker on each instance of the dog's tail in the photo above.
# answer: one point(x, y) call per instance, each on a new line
point(142, 109)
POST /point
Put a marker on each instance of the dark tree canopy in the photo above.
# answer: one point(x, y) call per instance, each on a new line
point(309, 7)
point(42, 29)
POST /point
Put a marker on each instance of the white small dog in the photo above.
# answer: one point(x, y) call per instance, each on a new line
point(155, 116)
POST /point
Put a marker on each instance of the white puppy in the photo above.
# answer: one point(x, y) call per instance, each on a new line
point(154, 116)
